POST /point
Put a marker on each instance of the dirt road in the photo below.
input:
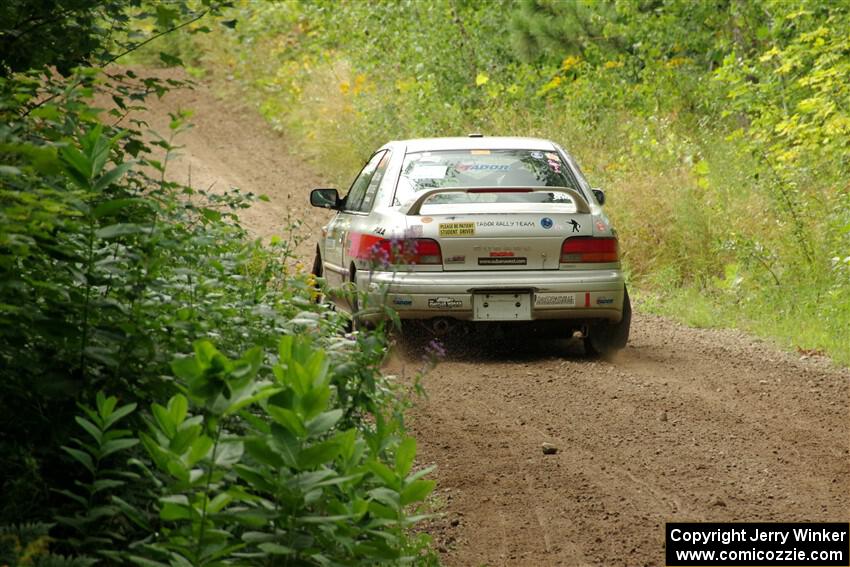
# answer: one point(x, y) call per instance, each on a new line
point(686, 424)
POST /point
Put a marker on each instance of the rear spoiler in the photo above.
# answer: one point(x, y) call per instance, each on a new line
point(581, 203)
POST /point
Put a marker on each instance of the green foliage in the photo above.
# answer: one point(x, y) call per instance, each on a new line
point(718, 128)
point(71, 33)
point(255, 465)
point(29, 544)
point(99, 510)
point(107, 269)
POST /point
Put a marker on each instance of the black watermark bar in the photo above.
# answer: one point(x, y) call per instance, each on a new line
point(758, 544)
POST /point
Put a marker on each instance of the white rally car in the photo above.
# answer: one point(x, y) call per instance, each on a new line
point(479, 230)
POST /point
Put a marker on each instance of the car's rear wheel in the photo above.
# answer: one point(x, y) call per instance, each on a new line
point(605, 338)
point(317, 264)
point(317, 273)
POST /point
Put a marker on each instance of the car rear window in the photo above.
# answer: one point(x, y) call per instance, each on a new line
point(481, 168)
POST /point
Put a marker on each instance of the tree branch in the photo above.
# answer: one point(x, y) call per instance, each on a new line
point(122, 54)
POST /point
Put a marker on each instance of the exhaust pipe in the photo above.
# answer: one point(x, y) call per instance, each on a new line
point(441, 326)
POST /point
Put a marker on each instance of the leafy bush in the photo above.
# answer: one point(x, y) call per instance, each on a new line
point(109, 269)
point(251, 464)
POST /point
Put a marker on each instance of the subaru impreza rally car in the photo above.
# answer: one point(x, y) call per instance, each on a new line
point(480, 230)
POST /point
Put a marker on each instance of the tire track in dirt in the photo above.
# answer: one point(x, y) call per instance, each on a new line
point(685, 424)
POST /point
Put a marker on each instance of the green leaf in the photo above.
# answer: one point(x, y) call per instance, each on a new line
point(112, 176)
point(117, 445)
point(242, 401)
point(183, 438)
point(383, 472)
point(75, 497)
point(318, 454)
point(119, 229)
point(420, 473)
point(133, 513)
point(90, 428)
point(201, 447)
point(119, 414)
point(258, 449)
point(77, 165)
point(287, 418)
point(211, 214)
point(228, 453)
point(106, 484)
point(323, 422)
point(164, 420)
point(286, 445)
point(186, 368)
point(97, 148)
point(416, 491)
point(175, 508)
point(404, 455)
point(275, 549)
point(178, 408)
point(386, 496)
point(81, 457)
point(144, 562)
point(254, 478)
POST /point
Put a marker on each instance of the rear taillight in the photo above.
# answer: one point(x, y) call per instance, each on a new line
point(589, 249)
point(418, 251)
point(427, 251)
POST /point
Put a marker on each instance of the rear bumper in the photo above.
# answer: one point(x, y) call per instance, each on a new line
point(555, 294)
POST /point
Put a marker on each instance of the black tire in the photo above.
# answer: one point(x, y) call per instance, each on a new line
point(605, 338)
point(317, 272)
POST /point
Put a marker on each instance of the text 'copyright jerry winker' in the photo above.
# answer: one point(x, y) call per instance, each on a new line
point(758, 544)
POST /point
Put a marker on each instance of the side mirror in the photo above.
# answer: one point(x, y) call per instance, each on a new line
point(325, 198)
point(600, 195)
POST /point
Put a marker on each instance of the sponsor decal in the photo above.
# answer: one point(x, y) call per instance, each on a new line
point(604, 300)
point(455, 260)
point(552, 156)
point(546, 223)
point(379, 230)
point(501, 253)
point(536, 155)
point(444, 303)
point(502, 261)
point(489, 249)
point(426, 220)
point(576, 226)
point(568, 299)
point(601, 226)
point(402, 301)
point(457, 229)
point(506, 223)
point(482, 167)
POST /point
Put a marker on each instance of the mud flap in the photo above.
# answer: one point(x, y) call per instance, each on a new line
point(604, 338)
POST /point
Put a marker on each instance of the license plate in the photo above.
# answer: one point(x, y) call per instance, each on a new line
point(512, 306)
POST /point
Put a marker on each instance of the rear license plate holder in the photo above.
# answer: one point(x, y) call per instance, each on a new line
point(502, 306)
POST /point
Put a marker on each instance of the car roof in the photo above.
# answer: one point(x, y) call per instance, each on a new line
point(475, 143)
